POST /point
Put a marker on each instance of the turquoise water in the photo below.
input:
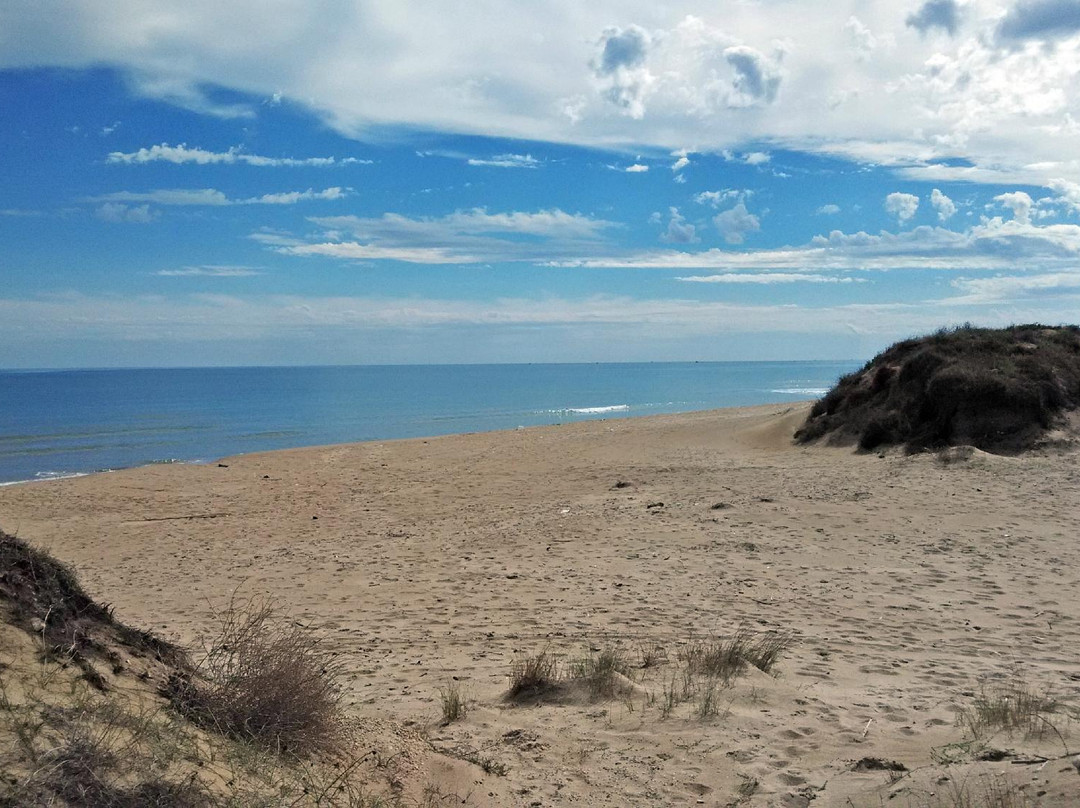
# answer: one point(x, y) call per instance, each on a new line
point(59, 423)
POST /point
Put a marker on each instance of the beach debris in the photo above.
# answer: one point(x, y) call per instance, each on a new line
point(719, 506)
point(876, 764)
point(622, 484)
point(653, 505)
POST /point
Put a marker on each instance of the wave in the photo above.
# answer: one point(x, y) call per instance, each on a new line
point(802, 391)
point(595, 410)
point(44, 476)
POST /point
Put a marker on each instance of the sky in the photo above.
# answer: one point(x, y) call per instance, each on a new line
point(409, 181)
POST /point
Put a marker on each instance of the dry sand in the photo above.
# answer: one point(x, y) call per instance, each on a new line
point(912, 586)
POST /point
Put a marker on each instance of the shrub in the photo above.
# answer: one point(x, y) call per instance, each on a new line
point(997, 389)
point(533, 676)
point(267, 680)
point(600, 672)
point(454, 703)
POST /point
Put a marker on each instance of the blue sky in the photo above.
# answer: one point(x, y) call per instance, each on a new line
point(360, 182)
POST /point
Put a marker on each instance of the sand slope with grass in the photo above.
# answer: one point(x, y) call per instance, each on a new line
point(924, 613)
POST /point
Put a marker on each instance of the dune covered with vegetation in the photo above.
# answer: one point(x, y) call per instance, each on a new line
point(1000, 390)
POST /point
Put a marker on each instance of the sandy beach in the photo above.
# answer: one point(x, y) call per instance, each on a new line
point(911, 585)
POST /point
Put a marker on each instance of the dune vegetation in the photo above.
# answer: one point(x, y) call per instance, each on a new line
point(1001, 390)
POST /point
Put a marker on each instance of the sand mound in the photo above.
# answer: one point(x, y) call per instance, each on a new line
point(998, 390)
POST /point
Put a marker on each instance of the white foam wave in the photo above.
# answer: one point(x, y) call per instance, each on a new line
point(44, 476)
point(802, 391)
point(595, 410)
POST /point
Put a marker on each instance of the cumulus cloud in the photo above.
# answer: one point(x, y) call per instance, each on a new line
point(828, 210)
point(1040, 19)
point(943, 14)
point(721, 197)
point(181, 153)
point(1068, 193)
point(620, 68)
point(944, 206)
point(636, 168)
point(1019, 203)
point(902, 206)
point(735, 224)
point(563, 74)
point(679, 231)
point(757, 79)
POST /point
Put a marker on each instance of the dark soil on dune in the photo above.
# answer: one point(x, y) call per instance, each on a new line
point(1000, 390)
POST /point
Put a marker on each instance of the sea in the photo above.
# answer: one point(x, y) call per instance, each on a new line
point(62, 423)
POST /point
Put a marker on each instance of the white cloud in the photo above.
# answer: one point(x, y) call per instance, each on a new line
point(943, 14)
point(629, 73)
point(117, 212)
point(735, 224)
point(991, 244)
point(828, 210)
point(1019, 203)
point(463, 237)
point(1068, 193)
point(1010, 288)
point(211, 271)
point(679, 231)
point(944, 206)
point(215, 198)
point(636, 168)
point(506, 161)
point(181, 153)
point(757, 79)
point(718, 198)
point(902, 206)
point(770, 278)
point(620, 68)
point(682, 162)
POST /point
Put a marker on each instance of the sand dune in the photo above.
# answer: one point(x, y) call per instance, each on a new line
point(912, 586)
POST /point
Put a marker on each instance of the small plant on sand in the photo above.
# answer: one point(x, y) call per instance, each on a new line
point(267, 680)
point(726, 659)
point(1014, 707)
point(533, 676)
point(602, 673)
point(454, 703)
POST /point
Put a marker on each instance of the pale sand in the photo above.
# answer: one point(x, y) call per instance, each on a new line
point(908, 581)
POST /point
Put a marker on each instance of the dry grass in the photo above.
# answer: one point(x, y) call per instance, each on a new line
point(1014, 707)
point(455, 705)
point(600, 673)
point(725, 659)
point(534, 676)
point(267, 680)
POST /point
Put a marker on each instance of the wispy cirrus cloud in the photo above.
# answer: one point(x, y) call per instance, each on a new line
point(210, 271)
point(182, 153)
point(770, 278)
point(506, 161)
point(212, 197)
point(465, 236)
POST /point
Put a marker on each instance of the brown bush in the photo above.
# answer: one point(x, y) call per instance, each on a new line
point(267, 680)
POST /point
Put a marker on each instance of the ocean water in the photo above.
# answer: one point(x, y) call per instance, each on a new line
point(62, 423)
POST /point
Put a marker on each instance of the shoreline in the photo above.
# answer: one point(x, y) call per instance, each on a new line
point(56, 476)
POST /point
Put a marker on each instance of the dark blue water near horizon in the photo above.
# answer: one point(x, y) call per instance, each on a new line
point(59, 423)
